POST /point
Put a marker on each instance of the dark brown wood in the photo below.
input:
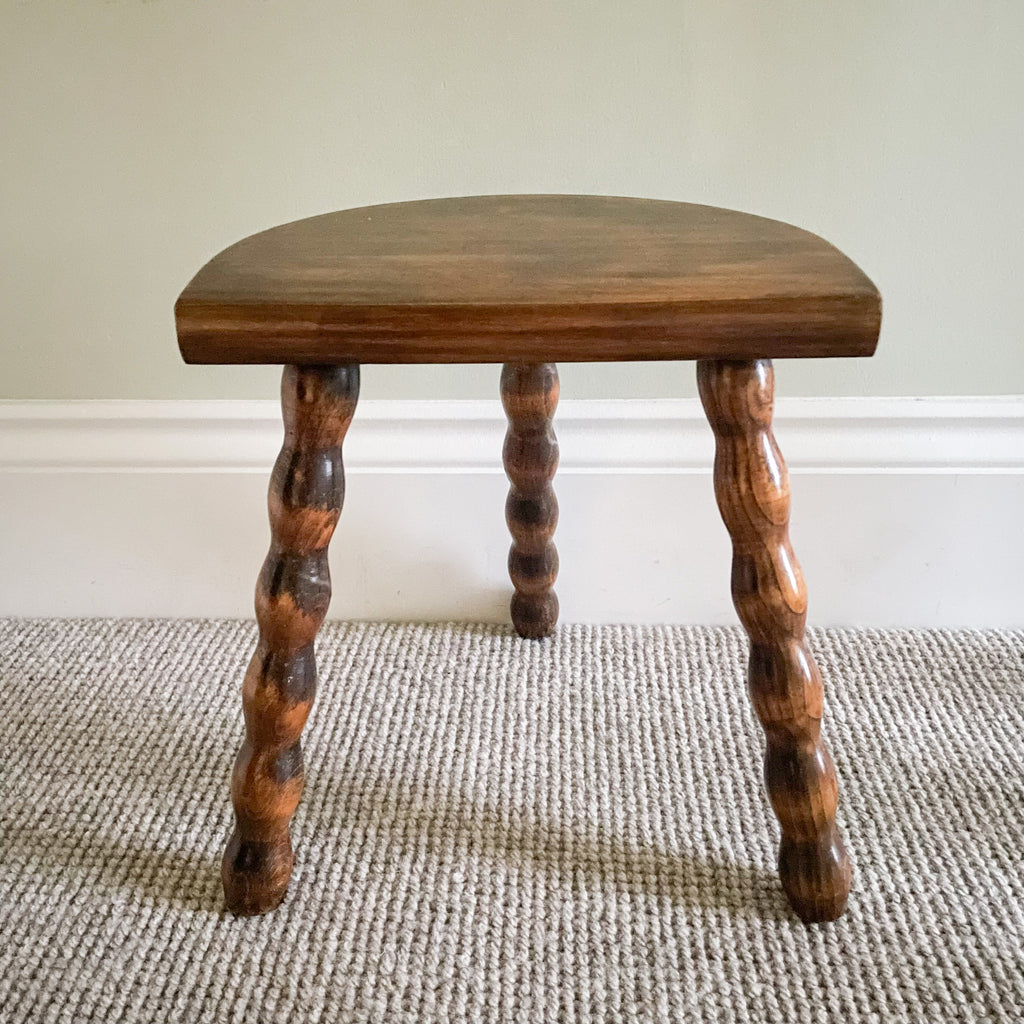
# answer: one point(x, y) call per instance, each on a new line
point(752, 488)
point(528, 279)
point(307, 489)
point(529, 393)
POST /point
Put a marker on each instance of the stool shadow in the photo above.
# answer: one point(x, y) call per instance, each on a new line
point(187, 879)
point(190, 880)
point(577, 853)
point(595, 859)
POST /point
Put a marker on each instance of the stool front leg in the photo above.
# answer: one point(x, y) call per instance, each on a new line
point(529, 393)
point(307, 488)
point(752, 489)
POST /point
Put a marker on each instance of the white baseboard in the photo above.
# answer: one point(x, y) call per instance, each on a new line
point(906, 512)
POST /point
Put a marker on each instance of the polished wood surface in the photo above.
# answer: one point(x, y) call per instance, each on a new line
point(527, 279)
point(307, 489)
point(529, 394)
point(752, 489)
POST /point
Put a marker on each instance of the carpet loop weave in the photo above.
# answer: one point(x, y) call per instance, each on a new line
point(505, 831)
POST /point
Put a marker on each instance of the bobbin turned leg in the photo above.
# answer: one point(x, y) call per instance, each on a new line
point(752, 488)
point(307, 488)
point(529, 393)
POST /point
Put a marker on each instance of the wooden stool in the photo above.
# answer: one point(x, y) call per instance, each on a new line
point(529, 281)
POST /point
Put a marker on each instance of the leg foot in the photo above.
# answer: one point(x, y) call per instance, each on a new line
point(307, 488)
point(529, 393)
point(752, 488)
point(255, 874)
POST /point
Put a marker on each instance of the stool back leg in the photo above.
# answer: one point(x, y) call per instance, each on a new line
point(752, 488)
point(307, 488)
point(529, 393)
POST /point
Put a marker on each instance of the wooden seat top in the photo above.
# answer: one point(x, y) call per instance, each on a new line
point(543, 278)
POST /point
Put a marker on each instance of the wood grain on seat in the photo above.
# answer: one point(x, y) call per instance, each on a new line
point(527, 278)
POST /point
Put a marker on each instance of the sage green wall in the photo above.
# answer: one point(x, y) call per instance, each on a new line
point(137, 138)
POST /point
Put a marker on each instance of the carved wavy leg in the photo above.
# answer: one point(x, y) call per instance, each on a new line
point(752, 488)
point(529, 393)
point(307, 488)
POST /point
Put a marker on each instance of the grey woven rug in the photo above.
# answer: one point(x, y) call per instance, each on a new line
point(501, 830)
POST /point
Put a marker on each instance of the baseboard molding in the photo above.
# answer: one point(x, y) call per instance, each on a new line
point(906, 510)
point(833, 435)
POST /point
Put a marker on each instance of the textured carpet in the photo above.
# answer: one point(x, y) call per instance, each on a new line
point(500, 830)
